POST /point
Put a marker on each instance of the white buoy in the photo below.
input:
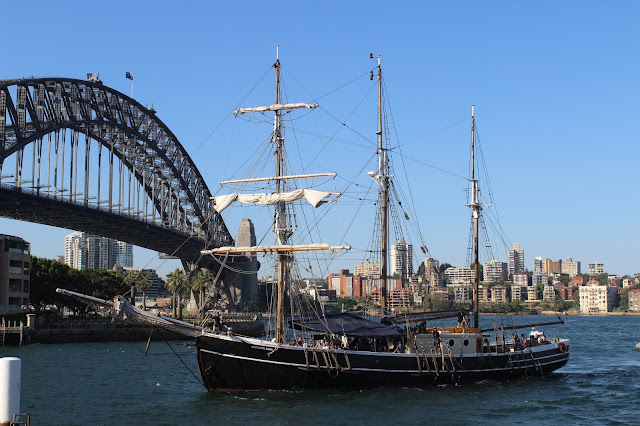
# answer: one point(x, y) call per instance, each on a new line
point(9, 388)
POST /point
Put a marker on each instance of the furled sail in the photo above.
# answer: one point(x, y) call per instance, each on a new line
point(275, 248)
point(315, 198)
point(274, 107)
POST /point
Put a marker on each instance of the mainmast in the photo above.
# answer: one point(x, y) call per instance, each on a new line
point(280, 222)
point(383, 181)
point(475, 208)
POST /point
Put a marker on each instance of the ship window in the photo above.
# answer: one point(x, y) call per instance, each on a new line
point(452, 342)
point(465, 342)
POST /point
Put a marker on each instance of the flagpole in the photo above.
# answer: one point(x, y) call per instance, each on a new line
point(132, 86)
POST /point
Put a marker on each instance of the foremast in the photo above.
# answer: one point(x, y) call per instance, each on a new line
point(476, 208)
point(283, 227)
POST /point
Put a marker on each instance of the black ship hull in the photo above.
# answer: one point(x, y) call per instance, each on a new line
point(231, 363)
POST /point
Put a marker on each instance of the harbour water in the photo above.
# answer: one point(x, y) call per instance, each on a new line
point(115, 383)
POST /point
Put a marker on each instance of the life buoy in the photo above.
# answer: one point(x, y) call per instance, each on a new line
point(562, 347)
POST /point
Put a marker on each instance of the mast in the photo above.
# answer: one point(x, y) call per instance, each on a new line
point(383, 180)
point(280, 222)
point(475, 208)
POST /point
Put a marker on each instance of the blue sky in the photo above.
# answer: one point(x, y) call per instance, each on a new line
point(554, 83)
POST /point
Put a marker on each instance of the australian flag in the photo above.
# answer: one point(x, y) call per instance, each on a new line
point(129, 75)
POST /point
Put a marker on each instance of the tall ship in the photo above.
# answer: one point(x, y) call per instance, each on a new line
point(315, 348)
point(309, 346)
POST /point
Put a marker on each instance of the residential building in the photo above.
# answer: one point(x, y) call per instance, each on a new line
point(596, 298)
point(551, 267)
point(370, 269)
point(457, 276)
point(87, 251)
point(499, 294)
point(629, 281)
point(538, 265)
point(596, 268)
point(462, 293)
point(634, 300)
point(548, 293)
point(402, 259)
point(432, 272)
point(576, 282)
point(521, 278)
point(518, 292)
point(483, 294)
point(494, 271)
point(516, 259)
point(15, 273)
point(571, 267)
point(539, 278)
point(532, 292)
point(565, 292)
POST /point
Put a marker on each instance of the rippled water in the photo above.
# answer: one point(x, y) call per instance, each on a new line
point(114, 383)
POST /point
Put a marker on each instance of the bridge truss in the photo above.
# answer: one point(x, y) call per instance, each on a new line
point(80, 155)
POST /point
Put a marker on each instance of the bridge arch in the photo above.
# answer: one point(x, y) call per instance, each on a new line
point(133, 169)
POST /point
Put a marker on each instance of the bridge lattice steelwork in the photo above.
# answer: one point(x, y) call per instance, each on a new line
point(80, 155)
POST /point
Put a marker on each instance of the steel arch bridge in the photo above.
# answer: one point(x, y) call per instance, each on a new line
point(79, 155)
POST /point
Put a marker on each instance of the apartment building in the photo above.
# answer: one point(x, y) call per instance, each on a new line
point(15, 273)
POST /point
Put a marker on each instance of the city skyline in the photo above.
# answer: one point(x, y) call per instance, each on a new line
point(554, 87)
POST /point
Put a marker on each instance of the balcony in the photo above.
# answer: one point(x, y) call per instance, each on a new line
point(15, 270)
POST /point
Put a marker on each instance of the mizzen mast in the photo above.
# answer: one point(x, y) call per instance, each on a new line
point(383, 180)
point(476, 208)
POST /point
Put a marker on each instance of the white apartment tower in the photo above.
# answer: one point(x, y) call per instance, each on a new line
point(402, 259)
point(86, 251)
point(538, 264)
point(516, 259)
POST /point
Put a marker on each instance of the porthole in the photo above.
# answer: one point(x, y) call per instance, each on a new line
point(452, 342)
point(465, 342)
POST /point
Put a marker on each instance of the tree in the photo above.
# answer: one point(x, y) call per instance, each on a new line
point(176, 282)
point(199, 282)
point(141, 281)
point(443, 267)
point(46, 276)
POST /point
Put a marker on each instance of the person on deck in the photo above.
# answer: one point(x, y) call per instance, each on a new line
point(400, 348)
point(533, 336)
point(517, 345)
point(436, 339)
point(462, 320)
point(523, 341)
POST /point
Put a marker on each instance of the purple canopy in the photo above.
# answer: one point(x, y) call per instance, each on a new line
point(348, 324)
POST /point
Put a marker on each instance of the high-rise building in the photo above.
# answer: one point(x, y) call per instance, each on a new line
point(596, 268)
point(402, 259)
point(538, 265)
point(551, 267)
point(432, 272)
point(571, 267)
point(516, 259)
point(494, 271)
point(87, 251)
